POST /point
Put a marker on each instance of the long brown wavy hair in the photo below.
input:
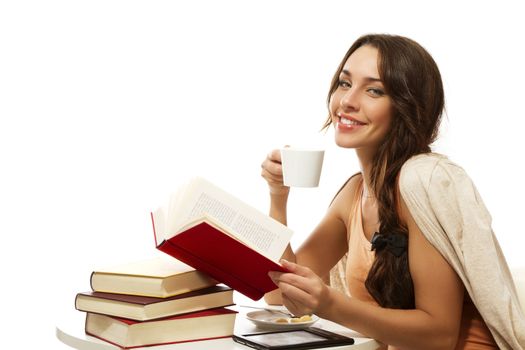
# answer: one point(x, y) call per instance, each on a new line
point(412, 80)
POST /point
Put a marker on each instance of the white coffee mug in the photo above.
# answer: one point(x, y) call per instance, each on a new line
point(301, 167)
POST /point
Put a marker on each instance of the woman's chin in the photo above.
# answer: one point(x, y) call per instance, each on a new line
point(345, 143)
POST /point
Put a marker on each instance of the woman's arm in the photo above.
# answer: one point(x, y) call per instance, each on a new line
point(327, 243)
point(433, 324)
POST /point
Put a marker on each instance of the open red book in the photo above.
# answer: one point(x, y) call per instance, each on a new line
point(218, 234)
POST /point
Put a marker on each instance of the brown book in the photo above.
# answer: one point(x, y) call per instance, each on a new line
point(159, 277)
point(142, 308)
point(202, 325)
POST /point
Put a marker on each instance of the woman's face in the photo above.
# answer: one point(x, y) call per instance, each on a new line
point(360, 109)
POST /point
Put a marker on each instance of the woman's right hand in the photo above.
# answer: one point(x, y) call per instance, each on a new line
point(272, 172)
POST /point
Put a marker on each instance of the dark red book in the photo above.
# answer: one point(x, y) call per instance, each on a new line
point(142, 308)
point(127, 334)
point(218, 234)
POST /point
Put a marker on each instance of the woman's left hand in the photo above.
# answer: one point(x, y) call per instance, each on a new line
point(303, 292)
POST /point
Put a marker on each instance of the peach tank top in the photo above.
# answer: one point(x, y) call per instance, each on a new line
point(474, 333)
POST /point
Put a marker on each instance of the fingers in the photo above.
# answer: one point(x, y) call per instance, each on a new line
point(296, 308)
point(298, 274)
point(293, 280)
point(275, 155)
point(272, 163)
point(274, 169)
point(272, 172)
point(301, 287)
point(297, 269)
point(293, 296)
point(297, 300)
point(274, 181)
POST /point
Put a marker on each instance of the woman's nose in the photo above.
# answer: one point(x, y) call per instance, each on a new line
point(350, 100)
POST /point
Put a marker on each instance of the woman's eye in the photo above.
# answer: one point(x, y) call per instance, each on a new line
point(376, 92)
point(344, 83)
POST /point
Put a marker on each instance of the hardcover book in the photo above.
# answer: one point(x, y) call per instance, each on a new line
point(156, 277)
point(127, 334)
point(214, 232)
point(142, 308)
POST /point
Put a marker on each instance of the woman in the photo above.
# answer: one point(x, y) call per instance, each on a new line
point(418, 239)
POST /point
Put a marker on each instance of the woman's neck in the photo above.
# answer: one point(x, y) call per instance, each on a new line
point(365, 163)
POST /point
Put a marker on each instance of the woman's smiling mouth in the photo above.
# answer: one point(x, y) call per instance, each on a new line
point(348, 123)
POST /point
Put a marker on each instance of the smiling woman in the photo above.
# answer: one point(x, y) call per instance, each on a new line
point(107, 106)
point(416, 239)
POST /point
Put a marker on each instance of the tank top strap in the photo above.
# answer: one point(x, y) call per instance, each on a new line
point(360, 255)
point(355, 229)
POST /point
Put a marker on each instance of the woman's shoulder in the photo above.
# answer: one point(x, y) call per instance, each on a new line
point(344, 197)
point(433, 175)
point(349, 187)
point(427, 168)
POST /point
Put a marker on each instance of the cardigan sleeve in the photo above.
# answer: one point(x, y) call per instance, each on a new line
point(449, 211)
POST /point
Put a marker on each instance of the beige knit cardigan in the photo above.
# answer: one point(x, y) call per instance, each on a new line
point(449, 211)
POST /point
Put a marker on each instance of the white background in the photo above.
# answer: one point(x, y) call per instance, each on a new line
point(106, 106)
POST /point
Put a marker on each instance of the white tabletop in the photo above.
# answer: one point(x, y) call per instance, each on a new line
point(71, 332)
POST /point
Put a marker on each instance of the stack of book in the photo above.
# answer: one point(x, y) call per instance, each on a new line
point(155, 301)
point(214, 238)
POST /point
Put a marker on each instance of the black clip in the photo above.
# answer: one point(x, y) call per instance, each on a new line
point(395, 243)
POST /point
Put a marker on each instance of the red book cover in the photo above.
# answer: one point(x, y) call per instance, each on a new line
point(225, 259)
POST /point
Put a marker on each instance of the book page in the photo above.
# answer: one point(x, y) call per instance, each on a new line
point(159, 224)
point(245, 223)
point(164, 220)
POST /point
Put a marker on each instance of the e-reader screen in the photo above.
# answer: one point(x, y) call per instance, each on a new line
point(286, 338)
point(293, 339)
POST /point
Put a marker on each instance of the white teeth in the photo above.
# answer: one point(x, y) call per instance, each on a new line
point(349, 121)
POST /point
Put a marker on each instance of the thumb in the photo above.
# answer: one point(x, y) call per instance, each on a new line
point(295, 268)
